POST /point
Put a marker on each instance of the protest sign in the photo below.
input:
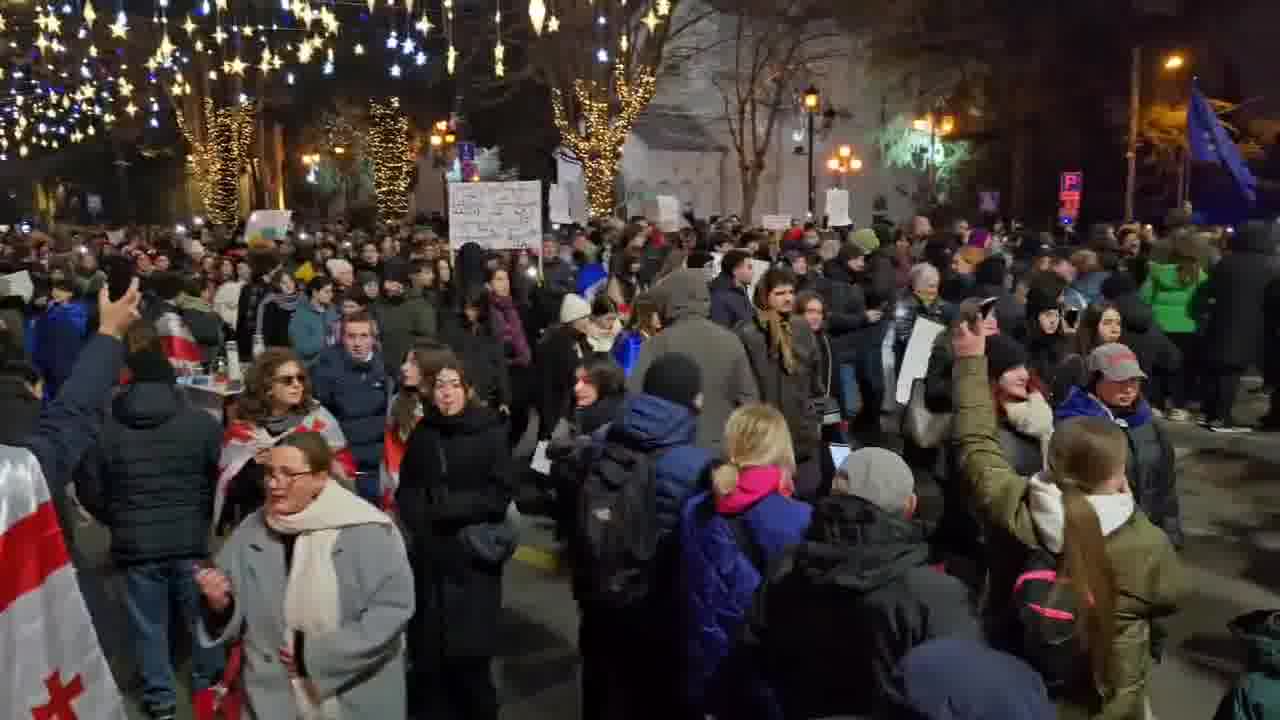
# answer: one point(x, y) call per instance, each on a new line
point(496, 215)
point(264, 225)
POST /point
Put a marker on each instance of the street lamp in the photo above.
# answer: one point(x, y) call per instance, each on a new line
point(812, 101)
point(1174, 62)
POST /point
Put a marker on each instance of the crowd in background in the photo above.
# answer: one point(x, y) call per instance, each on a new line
point(693, 391)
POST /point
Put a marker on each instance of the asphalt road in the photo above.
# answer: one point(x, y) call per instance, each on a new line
point(1231, 509)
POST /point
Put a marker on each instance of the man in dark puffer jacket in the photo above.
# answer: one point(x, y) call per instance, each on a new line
point(351, 382)
point(151, 481)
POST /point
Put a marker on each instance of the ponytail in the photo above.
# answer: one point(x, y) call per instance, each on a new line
point(1084, 562)
point(724, 480)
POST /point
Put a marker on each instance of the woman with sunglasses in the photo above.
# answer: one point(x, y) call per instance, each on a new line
point(276, 402)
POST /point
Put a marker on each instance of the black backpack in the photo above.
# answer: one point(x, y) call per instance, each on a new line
point(618, 526)
point(1045, 606)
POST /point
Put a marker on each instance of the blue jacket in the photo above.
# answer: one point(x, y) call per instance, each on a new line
point(591, 280)
point(1151, 460)
point(308, 330)
point(650, 424)
point(718, 581)
point(56, 341)
point(626, 349)
point(730, 305)
point(357, 395)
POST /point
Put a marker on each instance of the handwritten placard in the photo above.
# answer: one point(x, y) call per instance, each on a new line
point(496, 215)
point(775, 222)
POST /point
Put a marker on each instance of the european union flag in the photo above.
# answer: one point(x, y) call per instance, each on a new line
point(1210, 143)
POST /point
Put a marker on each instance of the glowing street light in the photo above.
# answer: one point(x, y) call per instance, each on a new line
point(845, 152)
point(812, 99)
point(1174, 62)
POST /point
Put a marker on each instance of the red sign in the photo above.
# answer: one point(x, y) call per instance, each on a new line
point(1070, 190)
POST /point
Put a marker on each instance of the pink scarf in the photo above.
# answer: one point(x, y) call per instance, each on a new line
point(506, 321)
point(754, 483)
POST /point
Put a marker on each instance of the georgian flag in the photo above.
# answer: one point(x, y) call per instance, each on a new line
point(54, 667)
point(393, 449)
point(180, 346)
point(242, 441)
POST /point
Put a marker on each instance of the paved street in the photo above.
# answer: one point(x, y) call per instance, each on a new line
point(1231, 507)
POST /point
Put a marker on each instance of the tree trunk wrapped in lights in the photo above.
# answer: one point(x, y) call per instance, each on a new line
point(218, 161)
point(601, 59)
point(389, 146)
point(598, 143)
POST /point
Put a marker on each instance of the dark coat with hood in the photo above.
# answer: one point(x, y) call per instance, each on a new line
point(455, 473)
point(1151, 459)
point(559, 354)
point(151, 477)
point(21, 410)
point(730, 305)
point(846, 300)
point(404, 321)
point(727, 379)
point(840, 610)
point(469, 268)
point(1232, 298)
point(791, 392)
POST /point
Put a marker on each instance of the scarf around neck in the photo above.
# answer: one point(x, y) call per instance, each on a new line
point(754, 484)
point(778, 333)
point(1049, 516)
point(311, 601)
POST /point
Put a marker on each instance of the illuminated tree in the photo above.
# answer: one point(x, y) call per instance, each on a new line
point(602, 60)
point(392, 161)
point(938, 159)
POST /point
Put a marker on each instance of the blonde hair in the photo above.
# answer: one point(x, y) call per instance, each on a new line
point(755, 435)
point(1084, 455)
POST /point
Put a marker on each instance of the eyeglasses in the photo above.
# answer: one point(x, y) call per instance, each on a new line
point(290, 379)
point(283, 476)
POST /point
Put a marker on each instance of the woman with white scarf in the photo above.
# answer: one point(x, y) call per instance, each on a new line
point(317, 587)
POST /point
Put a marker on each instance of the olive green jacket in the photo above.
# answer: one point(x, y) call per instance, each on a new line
point(1149, 576)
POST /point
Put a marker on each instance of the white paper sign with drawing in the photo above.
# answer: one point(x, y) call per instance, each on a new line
point(496, 215)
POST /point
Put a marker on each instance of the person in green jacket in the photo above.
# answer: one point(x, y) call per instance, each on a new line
point(310, 323)
point(1170, 289)
point(1256, 694)
point(1080, 509)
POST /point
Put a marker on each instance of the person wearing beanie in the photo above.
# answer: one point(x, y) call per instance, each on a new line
point(1043, 334)
point(866, 239)
point(961, 283)
point(1026, 418)
point(858, 594)
point(993, 686)
point(150, 479)
point(660, 424)
point(561, 351)
point(404, 318)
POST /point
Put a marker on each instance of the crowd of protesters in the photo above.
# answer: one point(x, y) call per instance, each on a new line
point(733, 482)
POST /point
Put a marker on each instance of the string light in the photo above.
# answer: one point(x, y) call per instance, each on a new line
point(216, 165)
point(537, 15)
point(389, 148)
point(605, 127)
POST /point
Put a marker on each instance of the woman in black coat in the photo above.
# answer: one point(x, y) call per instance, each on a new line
point(454, 485)
point(1232, 298)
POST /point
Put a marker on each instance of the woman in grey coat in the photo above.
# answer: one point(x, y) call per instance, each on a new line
point(317, 586)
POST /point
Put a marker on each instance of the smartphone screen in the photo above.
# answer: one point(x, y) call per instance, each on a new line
point(119, 276)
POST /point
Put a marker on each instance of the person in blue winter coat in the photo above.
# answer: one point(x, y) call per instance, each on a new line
point(728, 536)
point(58, 335)
point(310, 324)
point(630, 666)
point(351, 381)
point(645, 322)
point(1114, 391)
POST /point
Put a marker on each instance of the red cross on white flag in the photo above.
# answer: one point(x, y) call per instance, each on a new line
point(54, 667)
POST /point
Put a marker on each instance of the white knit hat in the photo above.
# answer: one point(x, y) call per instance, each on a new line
point(574, 308)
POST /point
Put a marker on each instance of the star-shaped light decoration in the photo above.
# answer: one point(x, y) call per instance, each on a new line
point(92, 50)
point(4, 25)
point(220, 4)
point(247, 31)
point(90, 131)
point(663, 7)
point(219, 35)
point(131, 109)
point(235, 67)
point(651, 20)
point(264, 63)
point(189, 26)
point(120, 28)
point(125, 88)
point(407, 46)
point(395, 70)
point(166, 47)
point(89, 13)
point(304, 52)
point(423, 25)
point(177, 89)
point(42, 43)
point(371, 3)
point(451, 58)
point(553, 24)
point(358, 49)
point(624, 43)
